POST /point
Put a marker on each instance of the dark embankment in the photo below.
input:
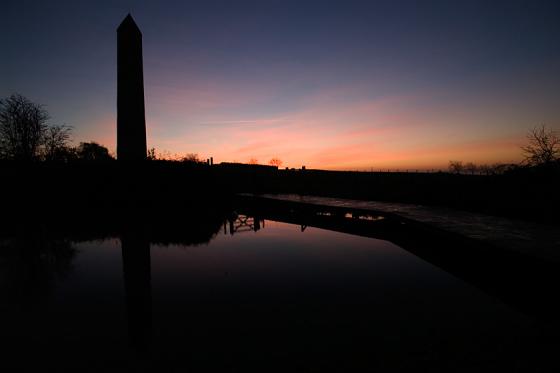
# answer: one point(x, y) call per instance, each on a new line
point(164, 191)
point(172, 203)
point(525, 193)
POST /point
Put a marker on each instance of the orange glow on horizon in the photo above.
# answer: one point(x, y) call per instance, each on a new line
point(326, 133)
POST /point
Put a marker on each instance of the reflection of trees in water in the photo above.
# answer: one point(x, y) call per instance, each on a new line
point(32, 260)
point(30, 263)
point(195, 227)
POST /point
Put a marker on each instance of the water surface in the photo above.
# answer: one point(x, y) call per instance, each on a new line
point(271, 296)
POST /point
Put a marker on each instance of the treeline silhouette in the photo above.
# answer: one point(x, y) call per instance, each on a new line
point(44, 177)
point(169, 189)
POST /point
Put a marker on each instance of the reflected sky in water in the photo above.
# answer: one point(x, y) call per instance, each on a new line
point(305, 299)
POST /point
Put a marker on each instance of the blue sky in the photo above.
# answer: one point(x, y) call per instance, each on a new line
point(340, 85)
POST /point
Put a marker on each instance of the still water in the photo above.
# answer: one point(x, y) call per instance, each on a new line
point(259, 295)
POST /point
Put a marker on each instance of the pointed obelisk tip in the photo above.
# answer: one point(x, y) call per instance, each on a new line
point(128, 24)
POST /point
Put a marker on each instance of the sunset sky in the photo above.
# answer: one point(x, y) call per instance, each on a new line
point(333, 85)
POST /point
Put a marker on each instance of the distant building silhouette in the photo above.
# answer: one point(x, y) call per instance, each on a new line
point(131, 121)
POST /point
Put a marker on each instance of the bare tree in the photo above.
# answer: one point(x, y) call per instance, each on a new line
point(22, 127)
point(93, 152)
point(56, 140)
point(253, 161)
point(275, 162)
point(543, 147)
point(456, 167)
point(151, 154)
point(191, 158)
point(485, 169)
point(471, 167)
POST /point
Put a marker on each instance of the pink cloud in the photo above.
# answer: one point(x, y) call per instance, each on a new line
point(330, 131)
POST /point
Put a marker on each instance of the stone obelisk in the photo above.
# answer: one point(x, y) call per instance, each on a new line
point(131, 121)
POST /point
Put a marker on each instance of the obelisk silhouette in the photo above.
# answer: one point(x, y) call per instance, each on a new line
point(131, 121)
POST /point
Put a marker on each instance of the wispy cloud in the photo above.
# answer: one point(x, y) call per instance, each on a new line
point(336, 128)
point(253, 122)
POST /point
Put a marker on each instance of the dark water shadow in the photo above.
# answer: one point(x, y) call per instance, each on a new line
point(492, 271)
point(31, 262)
point(526, 283)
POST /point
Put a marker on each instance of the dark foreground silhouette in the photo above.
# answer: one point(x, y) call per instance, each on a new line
point(237, 327)
point(311, 324)
point(60, 188)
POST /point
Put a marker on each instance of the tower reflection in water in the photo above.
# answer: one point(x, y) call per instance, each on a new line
point(137, 285)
